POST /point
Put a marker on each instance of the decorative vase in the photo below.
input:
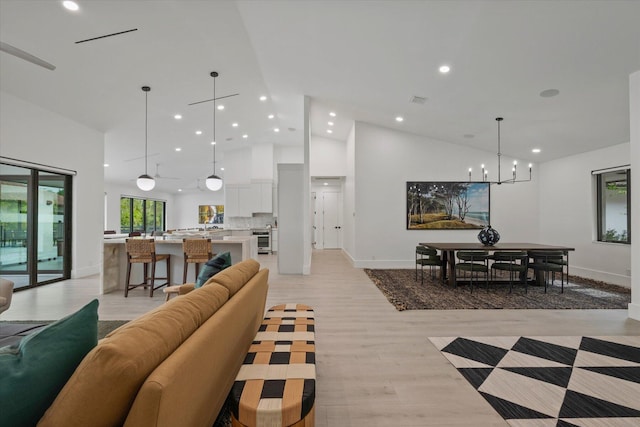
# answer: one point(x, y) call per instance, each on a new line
point(488, 236)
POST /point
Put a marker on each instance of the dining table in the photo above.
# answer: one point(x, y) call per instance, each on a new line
point(448, 250)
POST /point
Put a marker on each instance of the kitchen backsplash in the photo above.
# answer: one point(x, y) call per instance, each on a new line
point(259, 220)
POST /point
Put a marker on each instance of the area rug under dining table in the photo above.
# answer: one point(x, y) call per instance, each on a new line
point(405, 293)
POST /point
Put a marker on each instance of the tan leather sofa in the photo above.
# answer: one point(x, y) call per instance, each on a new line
point(173, 366)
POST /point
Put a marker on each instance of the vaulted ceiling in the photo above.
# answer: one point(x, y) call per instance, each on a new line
point(363, 60)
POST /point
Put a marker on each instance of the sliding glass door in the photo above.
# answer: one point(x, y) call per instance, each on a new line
point(34, 226)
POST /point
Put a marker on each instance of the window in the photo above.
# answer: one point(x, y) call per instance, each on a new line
point(614, 205)
point(143, 215)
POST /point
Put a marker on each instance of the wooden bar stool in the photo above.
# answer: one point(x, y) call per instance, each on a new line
point(196, 251)
point(143, 251)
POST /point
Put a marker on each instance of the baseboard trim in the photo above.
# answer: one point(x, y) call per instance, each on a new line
point(604, 276)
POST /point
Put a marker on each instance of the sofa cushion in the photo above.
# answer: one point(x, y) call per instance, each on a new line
point(235, 278)
point(213, 267)
point(33, 372)
point(104, 386)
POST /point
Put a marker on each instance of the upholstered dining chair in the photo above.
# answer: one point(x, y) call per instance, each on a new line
point(196, 251)
point(143, 251)
point(473, 262)
point(546, 262)
point(426, 257)
point(515, 263)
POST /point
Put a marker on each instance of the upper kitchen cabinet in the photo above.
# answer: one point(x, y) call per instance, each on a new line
point(262, 197)
point(239, 200)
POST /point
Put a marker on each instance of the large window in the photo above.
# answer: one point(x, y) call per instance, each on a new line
point(614, 205)
point(35, 233)
point(143, 215)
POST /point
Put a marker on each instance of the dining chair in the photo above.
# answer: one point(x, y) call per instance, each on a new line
point(473, 262)
point(514, 262)
point(143, 251)
point(429, 257)
point(550, 262)
point(196, 251)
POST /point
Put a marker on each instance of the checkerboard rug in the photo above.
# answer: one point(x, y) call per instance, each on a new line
point(552, 381)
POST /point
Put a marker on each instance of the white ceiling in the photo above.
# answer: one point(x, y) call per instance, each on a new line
point(362, 59)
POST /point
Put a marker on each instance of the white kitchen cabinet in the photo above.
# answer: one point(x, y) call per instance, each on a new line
point(262, 197)
point(238, 200)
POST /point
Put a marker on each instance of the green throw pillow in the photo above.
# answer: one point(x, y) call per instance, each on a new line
point(33, 372)
point(213, 267)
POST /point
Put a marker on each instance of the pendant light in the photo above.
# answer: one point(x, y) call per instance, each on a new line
point(144, 181)
point(214, 182)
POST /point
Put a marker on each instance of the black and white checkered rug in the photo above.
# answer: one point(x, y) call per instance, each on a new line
point(552, 381)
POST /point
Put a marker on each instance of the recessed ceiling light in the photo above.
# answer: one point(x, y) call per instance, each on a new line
point(444, 69)
point(332, 114)
point(399, 119)
point(329, 131)
point(536, 150)
point(177, 116)
point(198, 132)
point(221, 169)
point(179, 189)
point(276, 129)
point(245, 136)
point(271, 116)
point(326, 183)
point(106, 165)
point(263, 98)
point(178, 149)
point(220, 107)
point(549, 93)
point(235, 125)
point(330, 123)
point(70, 5)
point(213, 143)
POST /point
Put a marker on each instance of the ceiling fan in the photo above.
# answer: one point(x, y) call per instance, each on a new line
point(158, 176)
point(19, 53)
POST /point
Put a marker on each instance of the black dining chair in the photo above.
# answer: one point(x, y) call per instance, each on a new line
point(427, 257)
point(473, 262)
point(513, 262)
point(550, 262)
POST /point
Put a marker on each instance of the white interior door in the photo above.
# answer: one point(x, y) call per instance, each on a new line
point(331, 229)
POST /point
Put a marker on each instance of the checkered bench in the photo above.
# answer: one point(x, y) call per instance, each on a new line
point(276, 385)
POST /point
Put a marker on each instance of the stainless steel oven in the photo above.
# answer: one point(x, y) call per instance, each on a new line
point(264, 240)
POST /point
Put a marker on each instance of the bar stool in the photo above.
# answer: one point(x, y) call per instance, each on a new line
point(196, 251)
point(143, 251)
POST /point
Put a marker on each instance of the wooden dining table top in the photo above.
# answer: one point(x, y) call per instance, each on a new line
point(497, 247)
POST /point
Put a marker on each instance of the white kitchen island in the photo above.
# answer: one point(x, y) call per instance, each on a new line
point(114, 260)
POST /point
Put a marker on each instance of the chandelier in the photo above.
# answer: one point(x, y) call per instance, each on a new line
point(514, 169)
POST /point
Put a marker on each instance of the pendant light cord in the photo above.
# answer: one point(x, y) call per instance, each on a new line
point(146, 127)
point(214, 124)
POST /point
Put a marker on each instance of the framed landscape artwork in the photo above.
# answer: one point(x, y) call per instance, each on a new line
point(211, 214)
point(447, 205)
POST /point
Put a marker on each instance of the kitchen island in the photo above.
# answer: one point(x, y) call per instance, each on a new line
point(114, 259)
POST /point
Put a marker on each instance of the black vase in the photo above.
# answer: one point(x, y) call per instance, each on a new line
point(488, 236)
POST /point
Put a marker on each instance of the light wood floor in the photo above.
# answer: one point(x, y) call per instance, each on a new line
point(375, 365)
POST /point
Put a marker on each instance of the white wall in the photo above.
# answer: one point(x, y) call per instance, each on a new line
point(237, 166)
point(262, 162)
point(116, 190)
point(30, 133)
point(186, 206)
point(327, 157)
point(634, 120)
point(386, 159)
point(349, 215)
point(568, 214)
